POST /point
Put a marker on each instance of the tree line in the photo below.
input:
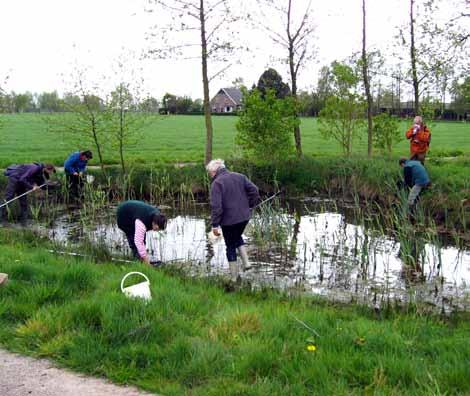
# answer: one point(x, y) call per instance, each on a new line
point(50, 102)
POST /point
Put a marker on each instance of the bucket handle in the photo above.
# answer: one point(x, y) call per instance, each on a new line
point(132, 273)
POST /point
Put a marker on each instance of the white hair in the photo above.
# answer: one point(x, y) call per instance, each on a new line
point(215, 165)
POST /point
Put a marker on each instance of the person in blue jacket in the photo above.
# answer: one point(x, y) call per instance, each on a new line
point(416, 177)
point(75, 166)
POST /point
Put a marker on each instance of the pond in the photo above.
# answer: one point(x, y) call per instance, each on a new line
point(314, 248)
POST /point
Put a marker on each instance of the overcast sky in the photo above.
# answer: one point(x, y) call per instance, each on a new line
point(42, 40)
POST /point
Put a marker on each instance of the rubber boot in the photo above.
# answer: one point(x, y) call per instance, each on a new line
point(3, 279)
point(234, 273)
point(244, 256)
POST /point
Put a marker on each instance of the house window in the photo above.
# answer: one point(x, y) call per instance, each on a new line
point(228, 109)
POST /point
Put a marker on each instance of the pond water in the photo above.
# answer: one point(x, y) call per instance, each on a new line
point(315, 249)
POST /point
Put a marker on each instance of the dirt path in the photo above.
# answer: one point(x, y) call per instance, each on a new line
point(25, 376)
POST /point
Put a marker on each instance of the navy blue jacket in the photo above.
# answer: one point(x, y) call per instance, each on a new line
point(73, 164)
point(28, 174)
point(232, 198)
point(129, 211)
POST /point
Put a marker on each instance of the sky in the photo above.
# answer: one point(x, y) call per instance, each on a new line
point(43, 42)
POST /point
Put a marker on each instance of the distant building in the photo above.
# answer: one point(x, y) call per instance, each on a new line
point(227, 100)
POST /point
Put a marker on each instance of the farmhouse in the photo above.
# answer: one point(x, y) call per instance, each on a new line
point(227, 100)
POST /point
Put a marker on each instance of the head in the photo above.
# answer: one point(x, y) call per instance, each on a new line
point(86, 155)
point(158, 222)
point(213, 166)
point(49, 169)
point(418, 120)
point(402, 161)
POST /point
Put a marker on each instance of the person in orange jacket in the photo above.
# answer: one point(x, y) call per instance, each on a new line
point(420, 138)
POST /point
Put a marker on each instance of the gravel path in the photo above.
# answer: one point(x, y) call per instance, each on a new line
point(25, 376)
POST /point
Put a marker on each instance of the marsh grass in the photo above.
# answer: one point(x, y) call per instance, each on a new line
point(194, 339)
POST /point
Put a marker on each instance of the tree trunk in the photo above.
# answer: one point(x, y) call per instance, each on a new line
point(205, 84)
point(121, 140)
point(293, 76)
point(414, 72)
point(365, 76)
point(97, 144)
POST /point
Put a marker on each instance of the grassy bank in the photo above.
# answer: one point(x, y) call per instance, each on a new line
point(26, 138)
point(195, 339)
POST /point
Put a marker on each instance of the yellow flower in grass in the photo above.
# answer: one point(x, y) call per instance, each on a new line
point(311, 348)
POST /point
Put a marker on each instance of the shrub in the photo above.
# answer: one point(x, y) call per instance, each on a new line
point(265, 126)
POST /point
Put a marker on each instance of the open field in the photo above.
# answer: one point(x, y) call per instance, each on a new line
point(25, 138)
point(195, 339)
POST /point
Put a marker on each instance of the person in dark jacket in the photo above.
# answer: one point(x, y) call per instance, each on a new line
point(135, 218)
point(416, 177)
point(233, 196)
point(74, 167)
point(25, 177)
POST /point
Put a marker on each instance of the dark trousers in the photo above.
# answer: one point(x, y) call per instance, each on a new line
point(233, 238)
point(75, 186)
point(15, 188)
point(418, 157)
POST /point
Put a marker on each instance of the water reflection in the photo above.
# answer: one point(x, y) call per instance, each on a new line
point(322, 253)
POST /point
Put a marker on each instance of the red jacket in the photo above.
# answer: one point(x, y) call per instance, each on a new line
point(419, 143)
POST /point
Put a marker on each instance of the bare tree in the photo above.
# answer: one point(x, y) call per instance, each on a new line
point(85, 122)
point(202, 26)
point(366, 79)
point(294, 38)
point(431, 45)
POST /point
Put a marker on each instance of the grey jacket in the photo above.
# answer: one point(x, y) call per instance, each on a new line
point(232, 198)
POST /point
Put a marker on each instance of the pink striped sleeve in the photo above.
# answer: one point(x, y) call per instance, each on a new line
point(139, 238)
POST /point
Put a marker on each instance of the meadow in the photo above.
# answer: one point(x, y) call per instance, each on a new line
point(194, 338)
point(175, 139)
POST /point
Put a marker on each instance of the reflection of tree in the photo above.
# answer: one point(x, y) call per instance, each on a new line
point(295, 236)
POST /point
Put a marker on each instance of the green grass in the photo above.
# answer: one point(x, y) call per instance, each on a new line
point(195, 339)
point(25, 138)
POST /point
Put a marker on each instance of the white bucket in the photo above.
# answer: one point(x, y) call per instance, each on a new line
point(213, 239)
point(139, 290)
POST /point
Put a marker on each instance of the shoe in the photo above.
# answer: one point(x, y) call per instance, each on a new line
point(3, 279)
point(244, 257)
point(234, 270)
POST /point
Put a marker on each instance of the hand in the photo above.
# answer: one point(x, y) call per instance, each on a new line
point(216, 231)
point(35, 187)
point(75, 173)
point(146, 260)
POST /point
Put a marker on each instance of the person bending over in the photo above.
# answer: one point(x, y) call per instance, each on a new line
point(135, 218)
point(75, 167)
point(22, 178)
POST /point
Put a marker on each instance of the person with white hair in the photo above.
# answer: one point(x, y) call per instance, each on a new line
point(233, 196)
point(420, 138)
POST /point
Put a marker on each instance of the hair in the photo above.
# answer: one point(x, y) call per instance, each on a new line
point(419, 118)
point(160, 220)
point(215, 165)
point(49, 168)
point(87, 154)
point(402, 160)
